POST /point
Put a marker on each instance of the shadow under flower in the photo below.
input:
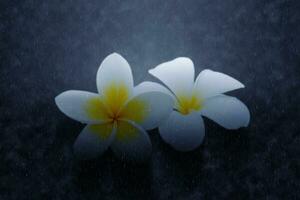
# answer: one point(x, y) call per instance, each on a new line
point(103, 176)
point(167, 173)
point(112, 177)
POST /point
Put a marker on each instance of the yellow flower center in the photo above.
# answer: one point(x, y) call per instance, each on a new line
point(114, 97)
point(187, 104)
point(125, 131)
point(114, 105)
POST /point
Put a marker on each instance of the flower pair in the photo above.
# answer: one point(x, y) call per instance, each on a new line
point(118, 115)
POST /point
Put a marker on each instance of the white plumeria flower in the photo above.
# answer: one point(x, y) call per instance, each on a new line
point(184, 129)
point(117, 115)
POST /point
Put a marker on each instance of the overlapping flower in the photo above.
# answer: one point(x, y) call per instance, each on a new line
point(184, 129)
point(118, 115)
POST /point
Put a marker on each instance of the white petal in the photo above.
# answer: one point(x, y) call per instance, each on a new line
point(73, 103)
point(210, 83)
point(227, 111)
point(94, 140)
point(183, 132)
point(148, 86)
point(177, 74)
point(148, 109)
point(131, 142)
point(114, 70)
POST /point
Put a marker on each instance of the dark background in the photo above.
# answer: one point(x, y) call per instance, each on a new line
point(48, 47)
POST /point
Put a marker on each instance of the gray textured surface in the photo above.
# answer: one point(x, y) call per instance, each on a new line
point(51, 46)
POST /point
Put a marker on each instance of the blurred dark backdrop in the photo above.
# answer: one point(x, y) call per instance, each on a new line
point(47, 47)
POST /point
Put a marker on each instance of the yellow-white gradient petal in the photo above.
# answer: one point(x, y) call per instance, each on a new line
point(114, 71)
point(131, 142)
point(183, 132)
point(177, 74)
point(81, 106)
point(94, 140)
point(148, 109)
point(227, 111)
point(148, 86)
point(210, 83)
